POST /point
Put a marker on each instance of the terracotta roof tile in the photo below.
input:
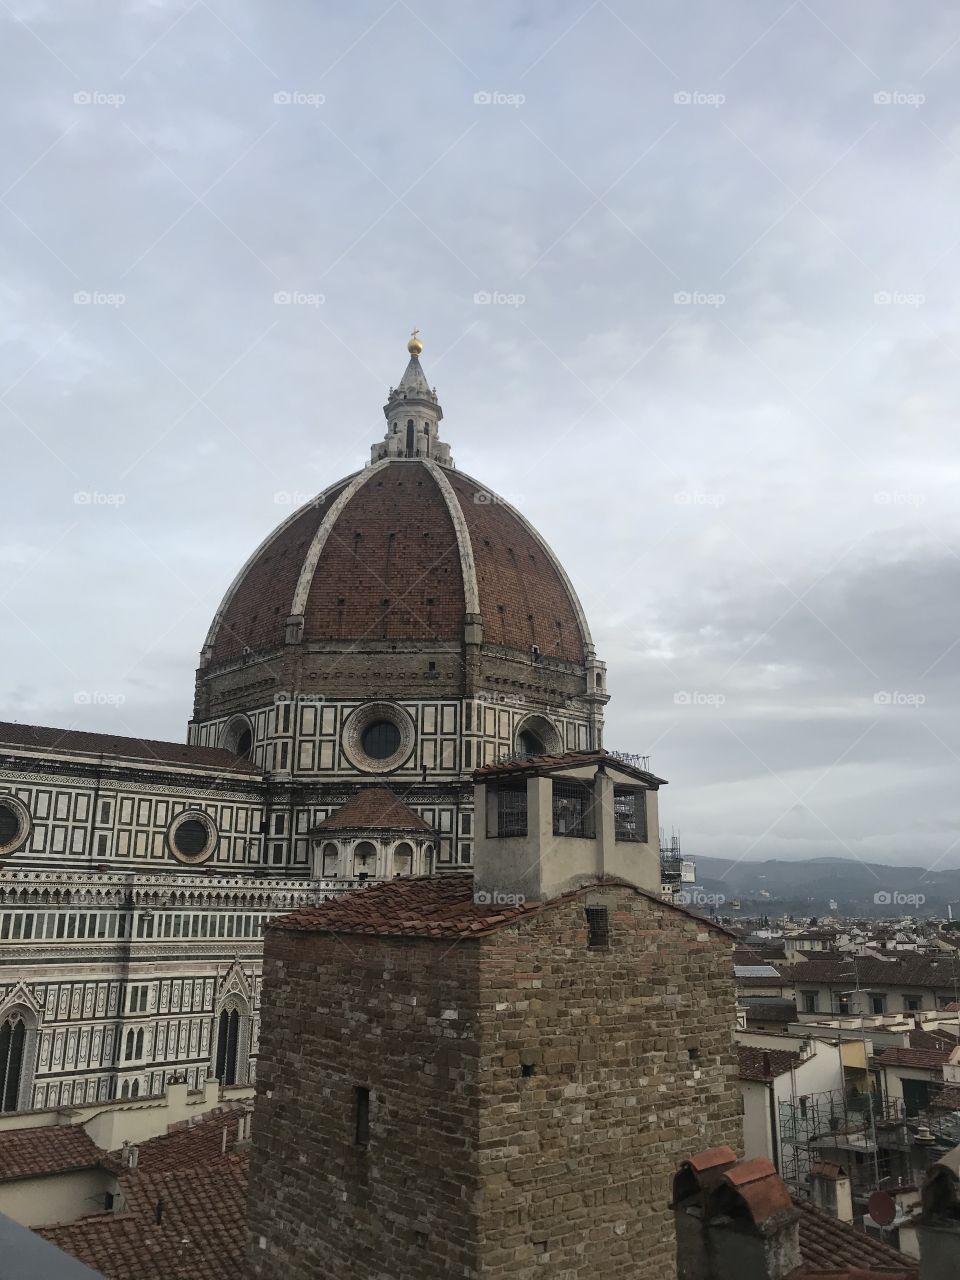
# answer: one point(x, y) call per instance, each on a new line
point(373, 808)
point(921, 972)
point(201, 1234)
point(946, 1099)
point(764, 1064)
point(430, 907)
point(837, 1248)
point(211, 1135)
point(35, 737)
point(930, 1059)
point(33, 1153)
point(523, 765)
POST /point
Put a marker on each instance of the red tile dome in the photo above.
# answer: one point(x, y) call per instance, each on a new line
point(406, 550)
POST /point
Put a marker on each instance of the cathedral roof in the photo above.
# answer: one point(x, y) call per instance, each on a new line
point(372, 809)
point(34, 737)
point(404, 550)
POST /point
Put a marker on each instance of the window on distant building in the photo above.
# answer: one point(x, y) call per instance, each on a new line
point(809, 1002)
point(598, 927)
point(914, 1003)
point(878, 1003)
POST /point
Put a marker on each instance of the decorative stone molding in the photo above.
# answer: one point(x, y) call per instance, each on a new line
point(213, 836)
point(362, 719)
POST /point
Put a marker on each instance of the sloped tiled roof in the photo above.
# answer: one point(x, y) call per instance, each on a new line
point(764, 1064)
point(432, 907)
point(930, 1059)
point(35, 1153)
point(426, 906)
point(35, 737)
point(947, 1098)
point(921, 1038)
point(371, 809)
point(831, 1247)
point(201, 1233)
point(914, 971)
point(213, 1134)
point(523, 765)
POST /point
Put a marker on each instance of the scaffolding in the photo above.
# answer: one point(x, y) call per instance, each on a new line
point(879, 1144)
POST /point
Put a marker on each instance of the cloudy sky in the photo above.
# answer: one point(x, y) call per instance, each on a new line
point(686, 274)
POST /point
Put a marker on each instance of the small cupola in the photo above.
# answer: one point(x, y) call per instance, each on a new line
point(413, 415)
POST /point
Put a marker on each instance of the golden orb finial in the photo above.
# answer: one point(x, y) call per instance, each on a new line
point(415, 346)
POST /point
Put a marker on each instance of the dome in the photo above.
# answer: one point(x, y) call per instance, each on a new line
point(407, 550)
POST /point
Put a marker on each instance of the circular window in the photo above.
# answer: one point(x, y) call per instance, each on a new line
point(237, 737)
point(378, 737)
point(381, 739)
point(192, 836)
point(14, 824)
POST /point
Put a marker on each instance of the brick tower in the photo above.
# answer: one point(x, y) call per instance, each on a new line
point(460, 1081)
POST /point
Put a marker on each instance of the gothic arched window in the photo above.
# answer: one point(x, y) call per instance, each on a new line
point(13, 1043)
point(228, 1040)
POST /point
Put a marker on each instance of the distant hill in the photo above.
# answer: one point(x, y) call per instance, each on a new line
point(808, 887)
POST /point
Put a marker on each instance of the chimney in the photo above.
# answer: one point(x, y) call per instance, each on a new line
point(831, 1189)
point(752, 1225)
point(938, 1228)
point(693, 1182)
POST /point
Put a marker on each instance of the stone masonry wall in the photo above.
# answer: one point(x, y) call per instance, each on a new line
point(531, 1097)
point(397, 1016)
point(633, 1068)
